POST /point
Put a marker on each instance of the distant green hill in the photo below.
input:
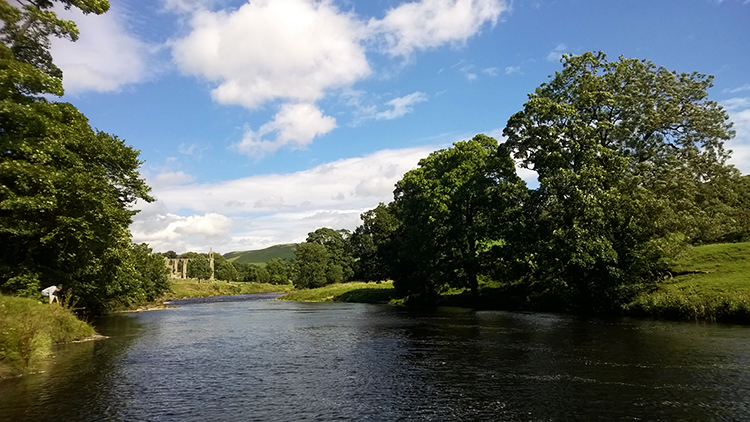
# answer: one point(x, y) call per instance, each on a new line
point(263, 255)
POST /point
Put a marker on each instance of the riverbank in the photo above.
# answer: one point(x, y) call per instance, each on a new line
point(29, 328)
point(187, 288)
point(354, 292)
point(708, 283)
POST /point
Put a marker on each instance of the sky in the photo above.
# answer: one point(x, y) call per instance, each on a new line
point(259, 121)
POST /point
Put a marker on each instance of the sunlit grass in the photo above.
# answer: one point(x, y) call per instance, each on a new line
point(29, 328)
point(710, 282)
point(182, 289)
point(358, 292)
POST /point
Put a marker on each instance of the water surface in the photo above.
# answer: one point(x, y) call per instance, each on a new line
point(250, 358)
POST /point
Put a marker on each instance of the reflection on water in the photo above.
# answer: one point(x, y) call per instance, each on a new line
point(249, 358)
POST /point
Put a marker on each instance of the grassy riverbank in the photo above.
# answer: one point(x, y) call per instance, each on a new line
point(188, 288)
point(29, 328)
point(710, 283)
point(356, 292)
point(707, 283)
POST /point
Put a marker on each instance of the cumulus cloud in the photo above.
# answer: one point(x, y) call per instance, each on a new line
point(174, 232)
point(266, 50)
point(106, 56)
point(428, 24)
point(271, 209)
point(295, 52)
point(295, 124)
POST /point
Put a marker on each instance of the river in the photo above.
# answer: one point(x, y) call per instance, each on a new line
point(251, 358)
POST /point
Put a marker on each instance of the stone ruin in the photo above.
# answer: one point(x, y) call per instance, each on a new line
point(178, 266)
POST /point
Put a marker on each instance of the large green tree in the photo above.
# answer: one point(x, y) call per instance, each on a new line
point(310, 268)
point(370, 244)
point(631, 166)
point(453, 209)
point(65, 189)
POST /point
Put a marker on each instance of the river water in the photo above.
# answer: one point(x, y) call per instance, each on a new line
point(251, 358)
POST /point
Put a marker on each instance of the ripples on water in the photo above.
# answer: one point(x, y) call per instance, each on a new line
point(250, 358)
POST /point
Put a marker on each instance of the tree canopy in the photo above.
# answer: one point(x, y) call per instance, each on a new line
point(65, 188)
point(631, 169)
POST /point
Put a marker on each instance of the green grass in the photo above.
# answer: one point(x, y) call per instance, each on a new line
point(357, 292)
point(188, 288)
point(710, 282)
point(262, 256)
point(29, 328)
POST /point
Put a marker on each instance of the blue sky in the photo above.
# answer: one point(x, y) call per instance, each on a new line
point(262, 120)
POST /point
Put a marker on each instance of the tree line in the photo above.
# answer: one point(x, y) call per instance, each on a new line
point(631, 170)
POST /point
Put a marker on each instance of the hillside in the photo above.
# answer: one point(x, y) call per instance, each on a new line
point(262, 256)
point(708, 283)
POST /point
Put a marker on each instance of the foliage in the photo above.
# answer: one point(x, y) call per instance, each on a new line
point(457, 204)
point(198, 267)
point(631, 167)
point(65, 189)
point(278, 271)
point(225, 270)
point(370, 244)
point(29, 328)
point(253, 273)
point(310, 266)
point(324, 258)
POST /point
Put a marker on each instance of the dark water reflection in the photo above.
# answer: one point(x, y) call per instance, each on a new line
point(254, 359)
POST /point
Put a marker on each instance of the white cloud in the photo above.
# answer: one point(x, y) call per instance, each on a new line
point(266, 50)
point(739, 113)
point(430, 23)
point(512, 69)
point(295, 124)
point(490, 71)
point(169, 178)
point(271, 209)
point(173, 232)
point(105, 57)
point(556, 54)
point(401, 106)
point(298, 51)
point(745, 87)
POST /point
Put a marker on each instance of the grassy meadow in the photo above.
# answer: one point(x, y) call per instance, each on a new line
point(710, 283)
point(187, 288)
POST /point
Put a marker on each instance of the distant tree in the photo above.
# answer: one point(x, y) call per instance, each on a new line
point(340, 259)
point(169, 254)
point(224, 270)
point(310, 266)
point(278, 271)
point(199, 267)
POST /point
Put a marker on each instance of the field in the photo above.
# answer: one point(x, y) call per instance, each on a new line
point(187, 288)
point(710, 282)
